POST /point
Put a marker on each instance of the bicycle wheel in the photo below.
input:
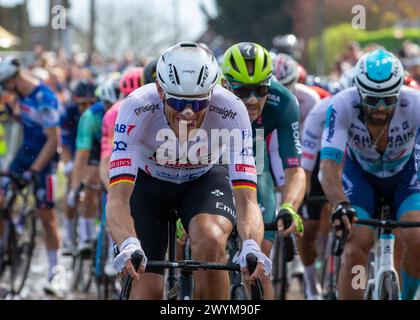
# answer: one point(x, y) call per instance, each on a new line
point(102, 280)
point(22, 244)
point(84, 271)
point(388, 287)
point(239, 292)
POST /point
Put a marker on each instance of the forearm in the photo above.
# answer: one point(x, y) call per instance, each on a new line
point(331, 181)
point(294, 190)
point(47, 153)
point(80, 163)
point(119, 220)
point(104, 171)
point(250, 223)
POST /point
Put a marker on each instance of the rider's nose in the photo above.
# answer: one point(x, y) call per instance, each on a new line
point(188, 113)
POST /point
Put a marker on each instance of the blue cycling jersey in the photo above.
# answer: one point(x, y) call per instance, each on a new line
point(68, 122)
point(40, 110)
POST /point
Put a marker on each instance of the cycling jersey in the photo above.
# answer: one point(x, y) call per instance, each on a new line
point(68, 123)
point(345, 125)
point(312, 134)
point(143, 139)
point(40, 110)
point(307, 99)
point(108, 126)
point(281, 114)
point(89, 131)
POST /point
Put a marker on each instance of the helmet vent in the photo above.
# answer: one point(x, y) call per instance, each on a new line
point(188, 45)
point(215, 79)
point(200, 75)
point(233, 64)
point(265, 62)
point(176, 75)
point(160, 77)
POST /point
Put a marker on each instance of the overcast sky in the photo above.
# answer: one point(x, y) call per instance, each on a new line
point(191, 17)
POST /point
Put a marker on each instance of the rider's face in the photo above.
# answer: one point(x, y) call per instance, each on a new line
point(379, 116)
point(254, 106)
point(185, 120)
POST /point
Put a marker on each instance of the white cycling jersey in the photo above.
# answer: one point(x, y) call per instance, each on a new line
point(345, 126)
point(307, 99)
point(143, 139)
point(312, 134)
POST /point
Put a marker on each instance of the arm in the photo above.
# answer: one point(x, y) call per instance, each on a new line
point(118, 217)
point(48, 150)
point(104, 171)
point(331, 181)
point(250, 223)
point(295, 183)
point(80, 163)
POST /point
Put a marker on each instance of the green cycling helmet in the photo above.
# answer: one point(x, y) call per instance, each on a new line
point(234, 65)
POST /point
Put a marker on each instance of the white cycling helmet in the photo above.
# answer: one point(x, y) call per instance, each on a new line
point(286, 70)
point(379, 73)
point(9, 67)
point(109, 91)
point(187, 69)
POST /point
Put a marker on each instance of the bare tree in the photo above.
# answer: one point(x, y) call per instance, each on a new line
point(138, 26)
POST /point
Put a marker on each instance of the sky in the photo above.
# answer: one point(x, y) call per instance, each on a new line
point(191, 17)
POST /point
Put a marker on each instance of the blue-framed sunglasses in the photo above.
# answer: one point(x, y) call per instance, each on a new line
point(180, 103)
point(373, 102)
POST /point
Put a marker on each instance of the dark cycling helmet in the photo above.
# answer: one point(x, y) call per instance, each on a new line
point(149, 72)
point(85, 88)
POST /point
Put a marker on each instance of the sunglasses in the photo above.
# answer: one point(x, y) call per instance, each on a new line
point(373, 102)
point(180, 103)
point(245, 92)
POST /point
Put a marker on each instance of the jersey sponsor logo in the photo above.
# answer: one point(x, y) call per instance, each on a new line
point(309, 144)
point(224, 112)
point(217, 193)
point(246, 168)
point(355, 126)
point(296, 136)
point(222, 206)
point(122, 128)
point(331, 124)
point(293, 161)
point(120, 163)
point(120, 146)
point(179, 177)
point(273, 98)
point(311, 134)
point(148, 108)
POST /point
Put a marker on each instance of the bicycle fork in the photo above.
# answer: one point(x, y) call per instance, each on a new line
point(386, 263)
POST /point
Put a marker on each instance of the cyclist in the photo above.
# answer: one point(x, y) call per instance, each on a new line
point(247, 69)
point(82, 98)
point(373, 125)
point(148, 167)
point(86, 166)
point(38, 110)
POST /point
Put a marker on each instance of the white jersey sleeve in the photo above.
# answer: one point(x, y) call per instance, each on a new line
point(312, 134)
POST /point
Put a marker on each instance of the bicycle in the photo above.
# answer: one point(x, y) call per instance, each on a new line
point(181, 288)
point(84, 262)
point(19, 218)
point(284, 250)
point(384, 283)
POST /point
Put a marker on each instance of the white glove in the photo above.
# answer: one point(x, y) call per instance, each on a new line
point(71, 199)
point(250, 246)
point(126, 250)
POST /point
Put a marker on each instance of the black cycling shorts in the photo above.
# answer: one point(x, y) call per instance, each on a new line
point(312, 211)
point(152, 200)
